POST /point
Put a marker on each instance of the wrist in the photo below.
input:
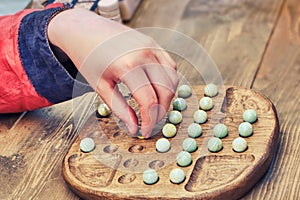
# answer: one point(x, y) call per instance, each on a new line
point(78, 31)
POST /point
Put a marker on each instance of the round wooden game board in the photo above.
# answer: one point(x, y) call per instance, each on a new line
point(114, 169)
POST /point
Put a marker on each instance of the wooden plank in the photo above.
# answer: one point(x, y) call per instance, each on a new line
point(234, 33)
point(7, 121)
point(31, 160)
point(165, 13)
point(279, 79)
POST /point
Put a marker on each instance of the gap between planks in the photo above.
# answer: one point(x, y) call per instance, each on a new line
point(268, 42)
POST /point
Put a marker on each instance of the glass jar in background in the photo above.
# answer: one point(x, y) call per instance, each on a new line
point(109, 9)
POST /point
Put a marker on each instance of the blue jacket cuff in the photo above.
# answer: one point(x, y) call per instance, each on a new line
point(52, 79)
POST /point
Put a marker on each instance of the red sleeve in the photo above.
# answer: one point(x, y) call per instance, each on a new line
point(16, 92)
point(30, 73)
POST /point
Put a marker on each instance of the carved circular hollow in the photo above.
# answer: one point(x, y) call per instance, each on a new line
point(118, 134)
point(222, 175)
point(73, 158)
point(110, 148)
point(136, 148)
point(131, 163)
point(96, 134)
point(156, 164)
point(126, 178)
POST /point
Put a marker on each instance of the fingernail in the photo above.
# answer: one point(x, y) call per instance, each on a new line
point(146, 133)
point(132, 128)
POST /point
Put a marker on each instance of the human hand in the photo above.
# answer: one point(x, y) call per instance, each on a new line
point(107, 53)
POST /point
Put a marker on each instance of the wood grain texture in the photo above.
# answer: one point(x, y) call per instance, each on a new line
point(33, 149)
point(279, 79)
point(117, 163)
point(234, 33)
point(7, 121)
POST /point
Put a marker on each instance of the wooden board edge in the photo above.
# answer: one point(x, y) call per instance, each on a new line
point(239, 189)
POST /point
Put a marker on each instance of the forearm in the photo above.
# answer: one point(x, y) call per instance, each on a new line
point(67, 30)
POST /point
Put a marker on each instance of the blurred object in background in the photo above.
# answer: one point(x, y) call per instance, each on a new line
point(109, 9)
point(8, 7)
point(127, 7)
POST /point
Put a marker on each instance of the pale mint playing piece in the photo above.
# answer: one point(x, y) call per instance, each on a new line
point(150, 176)
point(175, 117)
point(220, 131)
point(211, 90)
point(194, 130)
point(177, 176)
point(189, 145)
point(184, 91)
point(206, 103)
point(179, 104)
point(245, 129)
point(239, 144)
point(200, 116)
point(103, 110)
point(184, 158)
point(163, 145)
point(250, 116)
point(214, 144)
point(87, 145)
point(169, 130)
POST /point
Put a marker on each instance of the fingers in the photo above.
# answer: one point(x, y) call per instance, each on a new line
point(163, 86)
point(152, 79)
point(114, 99)
point(143, 92)
point(168, 65)
point(159, 86)
point(167, 78)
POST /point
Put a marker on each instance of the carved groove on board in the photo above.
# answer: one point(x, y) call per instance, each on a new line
point(91, 172)
point(217, 170)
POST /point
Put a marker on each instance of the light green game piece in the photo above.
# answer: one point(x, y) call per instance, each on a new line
point(189, 145)
point(150, 176)
point(87, 145)
point(103, 110)
point(184, 158)
point(214, 144)
point(206, 103)
point(163, 145)
point(211, 90)
point(179, 104)
point(220, 131)
point(169, 130)
point(194, 130)
point(200, 116)
point(239, 144)
point(184, 91)
point(250, 116)
point(175, 117)
point(177, 176)
point(245, 129)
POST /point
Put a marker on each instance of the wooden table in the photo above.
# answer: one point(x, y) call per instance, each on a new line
point(255, 44)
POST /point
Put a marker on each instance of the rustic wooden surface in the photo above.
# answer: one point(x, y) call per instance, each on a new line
point(255, 44)
point(118, 161)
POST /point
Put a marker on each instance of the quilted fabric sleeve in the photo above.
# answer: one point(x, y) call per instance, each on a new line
point(32, 74)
